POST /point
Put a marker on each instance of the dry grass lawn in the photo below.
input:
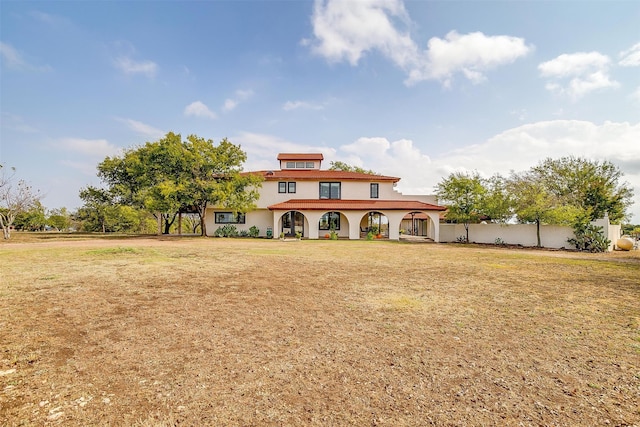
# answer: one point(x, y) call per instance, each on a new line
point(191, 331)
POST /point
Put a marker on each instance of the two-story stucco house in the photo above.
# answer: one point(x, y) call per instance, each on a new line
point(302, 198)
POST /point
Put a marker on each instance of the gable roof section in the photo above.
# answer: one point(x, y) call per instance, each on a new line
point(321, 175)
point(354, 205)
point(300, 156)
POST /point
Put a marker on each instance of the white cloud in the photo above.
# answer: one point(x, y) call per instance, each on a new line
point(129, 66)
point(470, 54)
point(11, 56)
point(199, 109)
point(17, 123)
point(142, 128)
point(240, 95)
point(54, 21)
point(15, 60)
point(124, 54)
point(631, 56)
point(229, 104)
point(301, 105)
point(346, 30)
point(586, 71)
point(96, 148)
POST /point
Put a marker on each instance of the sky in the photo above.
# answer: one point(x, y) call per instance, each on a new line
point(412, 89)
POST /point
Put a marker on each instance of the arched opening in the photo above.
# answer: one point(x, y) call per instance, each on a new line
point(333, 221)
point(376, 223)
point(416, 224)
point(292, 222)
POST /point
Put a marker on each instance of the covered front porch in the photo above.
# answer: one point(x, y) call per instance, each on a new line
point(351, 219)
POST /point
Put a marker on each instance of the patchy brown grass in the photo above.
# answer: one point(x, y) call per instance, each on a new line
point(193, 331)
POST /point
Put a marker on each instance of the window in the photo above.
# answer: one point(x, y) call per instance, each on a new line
point(330, 220)
point(286, 187)
point(374, 191)
point(300, 165)
point(329, 190)
point(229, 218)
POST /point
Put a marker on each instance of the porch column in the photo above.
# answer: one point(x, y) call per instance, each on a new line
point(313, 218)
point(276, 219)
point(354, 223)
point(435, 220)
point(395, 219)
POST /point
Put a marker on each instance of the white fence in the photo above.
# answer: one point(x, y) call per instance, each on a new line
point(551, 236)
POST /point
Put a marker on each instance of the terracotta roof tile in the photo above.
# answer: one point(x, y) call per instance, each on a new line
point(347, 205)
point(316, 174)
point(300, 156)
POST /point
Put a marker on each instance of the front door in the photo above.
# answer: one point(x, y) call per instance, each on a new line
point(292, 222)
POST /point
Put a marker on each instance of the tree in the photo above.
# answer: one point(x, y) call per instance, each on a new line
point(59, 219)
point(533, 203)
point(463, 194)
point(342, 166)
point(591, 186)
point(170, 176)
point(146, 177)
point(497, 201)
point(95, 210)
point(214, 178)
point(33, 219)
point(15, 198)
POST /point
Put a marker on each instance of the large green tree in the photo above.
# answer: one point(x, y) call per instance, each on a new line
point(533, 203)
point(595, 187)
point(462, 194)
point(214, 177)
point(32, 219)
point(170, 176)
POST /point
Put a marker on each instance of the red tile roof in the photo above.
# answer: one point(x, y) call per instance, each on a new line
point(355, 205)
point(300, 156)
point(317, 174)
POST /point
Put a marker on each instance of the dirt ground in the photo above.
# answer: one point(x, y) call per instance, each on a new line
point(253, 332)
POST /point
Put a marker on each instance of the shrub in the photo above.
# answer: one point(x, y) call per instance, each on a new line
point(589, 238)
point(370, 235)
point(254, 231)
point(228, 230)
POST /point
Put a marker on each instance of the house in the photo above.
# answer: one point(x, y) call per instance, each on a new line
point(301, 197)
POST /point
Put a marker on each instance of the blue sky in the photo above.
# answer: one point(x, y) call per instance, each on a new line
point(414, 89)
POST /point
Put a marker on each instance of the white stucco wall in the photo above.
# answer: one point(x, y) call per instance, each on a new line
point(311, 190)
point(551, 236)
point(261, 218)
